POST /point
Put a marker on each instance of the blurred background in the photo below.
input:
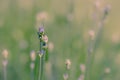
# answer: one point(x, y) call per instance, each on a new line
point(67, 24)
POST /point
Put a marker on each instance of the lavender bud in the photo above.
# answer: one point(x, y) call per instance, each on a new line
point(107, 9)
point(41, 29)
point(40, 32)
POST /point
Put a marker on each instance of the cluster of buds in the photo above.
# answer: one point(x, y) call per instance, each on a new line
point(43, 40)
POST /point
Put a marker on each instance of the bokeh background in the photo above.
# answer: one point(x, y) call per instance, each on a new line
point(67, 24)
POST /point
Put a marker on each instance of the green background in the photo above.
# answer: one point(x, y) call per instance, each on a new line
point(18, 34)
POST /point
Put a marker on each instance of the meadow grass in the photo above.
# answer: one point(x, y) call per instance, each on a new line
point(67, 34)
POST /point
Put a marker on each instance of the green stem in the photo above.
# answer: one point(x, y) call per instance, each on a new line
point(40, 68)
point(91, 54)
point(5, 69)
point(5, 73)
point(89, 60)
point(32, 71)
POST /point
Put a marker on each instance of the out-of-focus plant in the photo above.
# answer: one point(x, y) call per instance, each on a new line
point(32, 64)
point(95, 38)
point(5, 63)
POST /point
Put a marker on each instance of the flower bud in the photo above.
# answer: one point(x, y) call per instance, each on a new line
point(107, 70)
point(5, 54)
point(68, 63)
point(45, 38)
point(33, 55)
point(82, 68)
point(41, 29)
point(92, 34)
point(65, 76)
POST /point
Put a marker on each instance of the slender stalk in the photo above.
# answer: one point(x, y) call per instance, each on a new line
point(32, 70)
point(5, 73)
point(91, 52)
point(41, 61)
point(5, 62)
point(32, 75)
point(42, 51)
point(94, 43)
point(67, 74)
point(88, 61)
point(41, 65)
point(97, 39)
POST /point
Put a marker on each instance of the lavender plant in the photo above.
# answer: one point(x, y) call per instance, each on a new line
point(94, 41)
point(67, 73)
point(105, 73)
point(5, 62)
point(42, 51)
point(32, 64)
point(82, 75)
